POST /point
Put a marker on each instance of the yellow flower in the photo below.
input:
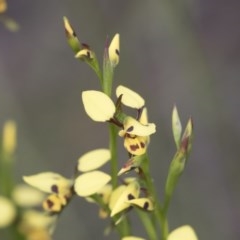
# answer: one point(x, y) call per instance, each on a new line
point(136, 133)
point(54, 183)
point(119, 202)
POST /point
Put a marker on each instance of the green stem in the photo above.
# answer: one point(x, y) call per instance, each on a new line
point(113, 150)
point(148, 224)
point(158, 212)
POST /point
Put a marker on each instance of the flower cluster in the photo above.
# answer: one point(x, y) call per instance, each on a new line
point(114, 194)
point(19, 203)
point(135, 131)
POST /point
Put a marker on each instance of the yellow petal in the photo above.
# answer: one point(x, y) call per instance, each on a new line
point(183, 233)
point(132, 126)
point(37, 219)
point(8, 212)
point(130, 98)
point(114, 50)
point(26, 196)
point(68, 28)
point(131, 192)
point(9, 137)
point(98, 105)
point(93, 159)
point(54, 203)
point(132, 238)
point(115, 195)
point(90, 183)
point(144, 203)
point(49, 182)
point(84, 53)
point(144, 117)
point(136, 145)
point(105, 193)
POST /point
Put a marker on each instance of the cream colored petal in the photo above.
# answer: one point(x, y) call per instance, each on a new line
point(49, 182)
point(130, 98)
point(37, 219)
point(132, 238)
point(144, 117)
point(90, 183)
point(84, 53)
point(115, 195)
point(93, 159)
point(132, 191)
point(132, 126)
point(144, 203)
point(54, 203)
point(106, 192)
point(8, 212)
point(98, 105)
point(68, 28)
point(183, 233)
point(136, 145)
point(114, 50)
point(26, 196)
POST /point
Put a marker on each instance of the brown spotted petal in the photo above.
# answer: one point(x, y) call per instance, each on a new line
point(85, 53)
point(54, 203)
point(144, 203)
point(130, 192)
point(49, 182)
point(136, 145)
point(134, 127)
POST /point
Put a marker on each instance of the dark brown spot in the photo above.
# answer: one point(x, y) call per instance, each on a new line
point(130, 196)
point(117, 52)
point(74, 34)
point(130, 129)
point(142, 144)
point(49, 203)
point(54, 188)
point(131, 136)
point(84, 45)
point(146, 205)
point(134, 147)
point(88, 54)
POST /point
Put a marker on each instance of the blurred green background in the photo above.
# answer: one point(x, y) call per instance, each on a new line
point(183, 52)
